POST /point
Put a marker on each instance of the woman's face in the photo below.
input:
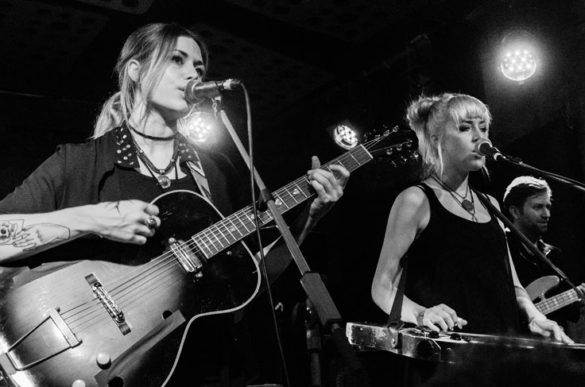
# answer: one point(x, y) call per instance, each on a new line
point(459, 144)
point(184, 65)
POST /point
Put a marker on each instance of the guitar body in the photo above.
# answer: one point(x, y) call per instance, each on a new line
point(110, 324)
point(538, 288)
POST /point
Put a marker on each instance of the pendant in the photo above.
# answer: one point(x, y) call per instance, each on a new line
point(164, 181)
point(468, 206)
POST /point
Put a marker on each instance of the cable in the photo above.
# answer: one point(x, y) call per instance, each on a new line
point(260, 245)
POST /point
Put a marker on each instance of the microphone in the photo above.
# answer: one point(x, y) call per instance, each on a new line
point(485, 148)
point(197, 91)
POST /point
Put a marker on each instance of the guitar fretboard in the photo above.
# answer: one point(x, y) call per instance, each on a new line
point(240, 224)
point(559, 301)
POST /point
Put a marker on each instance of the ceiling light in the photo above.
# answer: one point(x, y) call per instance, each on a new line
point(519, 58)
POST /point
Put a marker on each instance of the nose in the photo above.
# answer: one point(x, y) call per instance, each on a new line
point(192, 73)
point(478, 134)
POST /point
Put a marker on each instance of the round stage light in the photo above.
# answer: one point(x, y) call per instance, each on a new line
point(518, 65)
point(200, 127)
point(345, 136)
point(519, 58)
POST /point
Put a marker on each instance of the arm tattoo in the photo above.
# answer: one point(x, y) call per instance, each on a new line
point(30, 237)
point(9, 229)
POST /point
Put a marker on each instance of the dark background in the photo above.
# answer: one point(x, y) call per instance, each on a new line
point(308, 65)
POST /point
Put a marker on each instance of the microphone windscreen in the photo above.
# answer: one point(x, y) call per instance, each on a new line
point(485, 148)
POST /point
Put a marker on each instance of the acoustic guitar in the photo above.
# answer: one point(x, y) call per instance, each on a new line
point(97, 323)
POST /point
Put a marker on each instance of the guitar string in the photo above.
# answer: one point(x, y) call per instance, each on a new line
point(151, 286)
point(561, 300)
point(243, 214)
point(246, 216)
point(197, 250)
point(294, 202)
point(97, 315)
point(120, 300)
point(93, 306)
point(174, 262)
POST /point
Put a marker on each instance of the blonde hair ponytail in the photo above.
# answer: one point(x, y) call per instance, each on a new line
point(110, 116)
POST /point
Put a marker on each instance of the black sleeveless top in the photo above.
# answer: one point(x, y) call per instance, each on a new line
point(464, 265)
point(134, 185)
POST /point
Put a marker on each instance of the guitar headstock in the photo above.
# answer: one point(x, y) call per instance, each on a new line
point(396, 146)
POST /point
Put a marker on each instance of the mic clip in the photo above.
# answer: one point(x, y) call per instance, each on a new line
point(215, 103)
point(514, 159)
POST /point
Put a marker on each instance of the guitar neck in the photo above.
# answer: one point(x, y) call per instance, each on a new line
point(557, 302)
point(241, 224)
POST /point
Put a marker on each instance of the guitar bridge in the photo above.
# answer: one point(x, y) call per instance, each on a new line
point(108, 303)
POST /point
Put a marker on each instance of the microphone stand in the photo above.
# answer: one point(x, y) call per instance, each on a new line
point(311, 282)
point(552, 176)
point(529, 245)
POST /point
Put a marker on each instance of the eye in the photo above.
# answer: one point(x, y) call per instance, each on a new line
point(200, 70)
point(178, 59)
point(483, 129)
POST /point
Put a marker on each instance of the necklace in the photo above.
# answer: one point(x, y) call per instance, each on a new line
point(153, 138)
point(466, 204)
point(163, 180)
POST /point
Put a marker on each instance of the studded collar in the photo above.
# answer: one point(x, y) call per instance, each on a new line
point(126, 153)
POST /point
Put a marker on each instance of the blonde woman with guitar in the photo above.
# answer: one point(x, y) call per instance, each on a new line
point(119, 236)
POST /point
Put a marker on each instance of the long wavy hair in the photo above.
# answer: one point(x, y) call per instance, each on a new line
point(428, 117)
point(150, 45)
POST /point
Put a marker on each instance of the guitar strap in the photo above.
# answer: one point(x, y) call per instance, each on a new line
point(395, 312)
point(199, 176)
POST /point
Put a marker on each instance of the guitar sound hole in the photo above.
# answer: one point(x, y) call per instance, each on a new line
point(116, 382)
point(166, 314)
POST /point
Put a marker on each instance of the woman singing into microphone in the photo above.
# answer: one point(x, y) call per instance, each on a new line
point(105, 186)
point(458, 270)
point(446, 246)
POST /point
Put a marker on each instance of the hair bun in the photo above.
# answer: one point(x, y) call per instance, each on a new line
point(418, 111)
